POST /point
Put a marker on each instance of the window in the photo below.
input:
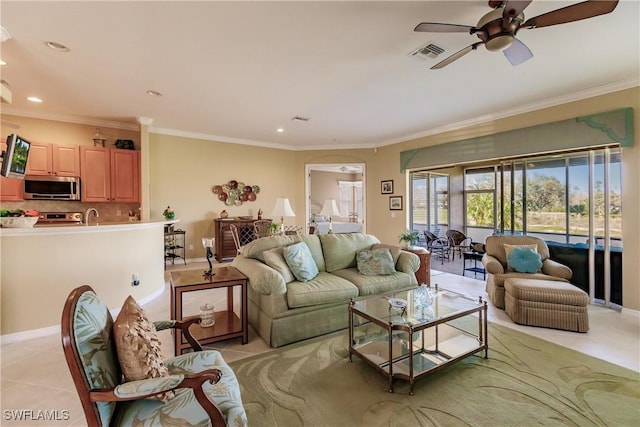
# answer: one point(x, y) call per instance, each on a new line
point(350, 199)
point(429, 206)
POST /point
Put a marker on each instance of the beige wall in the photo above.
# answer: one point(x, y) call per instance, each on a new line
point(183, 172)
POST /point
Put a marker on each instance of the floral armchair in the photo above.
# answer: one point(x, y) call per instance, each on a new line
point(498, 270)
point(204, 389)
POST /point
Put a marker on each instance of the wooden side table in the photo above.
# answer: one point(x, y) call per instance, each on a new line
point(228, 324)
point(424, 272)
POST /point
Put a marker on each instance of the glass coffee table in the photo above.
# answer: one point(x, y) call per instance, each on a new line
point(403, 337)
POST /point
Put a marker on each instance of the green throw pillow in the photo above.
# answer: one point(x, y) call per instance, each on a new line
point(376, 262)
point(525, 260)
point(300, 261)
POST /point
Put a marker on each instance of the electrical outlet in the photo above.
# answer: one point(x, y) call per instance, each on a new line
point(135, 279)
point(190, 247)
point(118, 212)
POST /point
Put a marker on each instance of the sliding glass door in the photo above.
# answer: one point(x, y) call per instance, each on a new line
point(429, 203)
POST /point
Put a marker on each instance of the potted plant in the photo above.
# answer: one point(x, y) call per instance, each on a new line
point(409, 238)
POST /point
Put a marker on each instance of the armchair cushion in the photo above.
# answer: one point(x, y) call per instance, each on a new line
point(183, 409)
point(138, 346)
point(524, 260)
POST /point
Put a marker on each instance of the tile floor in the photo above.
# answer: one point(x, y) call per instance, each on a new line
point(34, 374)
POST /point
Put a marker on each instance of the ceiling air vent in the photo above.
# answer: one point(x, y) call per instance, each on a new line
point(428, 52)
point(300, 119)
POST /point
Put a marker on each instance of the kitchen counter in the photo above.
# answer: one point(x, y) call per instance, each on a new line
point(41, 265)
point(97, 227)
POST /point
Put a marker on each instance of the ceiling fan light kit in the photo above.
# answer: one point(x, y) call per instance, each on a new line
point(497, 29)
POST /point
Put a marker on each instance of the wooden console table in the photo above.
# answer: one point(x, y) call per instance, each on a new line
point(224, 246)
point(228, 324)
point(424, 272)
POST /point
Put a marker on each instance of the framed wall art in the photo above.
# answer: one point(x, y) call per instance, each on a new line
point(395, 203)
point(386, 187)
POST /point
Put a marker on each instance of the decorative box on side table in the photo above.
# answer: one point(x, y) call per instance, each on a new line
point(227, 323)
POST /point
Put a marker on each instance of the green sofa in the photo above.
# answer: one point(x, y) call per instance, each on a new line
point(284, 311)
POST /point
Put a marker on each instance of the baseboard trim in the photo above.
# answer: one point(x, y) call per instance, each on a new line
point(55, 329)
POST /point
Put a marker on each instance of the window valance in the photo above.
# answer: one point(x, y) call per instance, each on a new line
point(608, 128)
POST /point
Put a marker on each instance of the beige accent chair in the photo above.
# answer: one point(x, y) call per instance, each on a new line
point(495, 263)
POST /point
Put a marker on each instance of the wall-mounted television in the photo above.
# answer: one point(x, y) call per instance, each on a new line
point(14, 158)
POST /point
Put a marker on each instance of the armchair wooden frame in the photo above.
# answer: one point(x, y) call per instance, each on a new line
point(88, 396)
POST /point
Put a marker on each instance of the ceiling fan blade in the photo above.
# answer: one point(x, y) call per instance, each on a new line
point(517, 53)
point(515, 8)
point(576, 12)
point(434, 27)
point(459, 54)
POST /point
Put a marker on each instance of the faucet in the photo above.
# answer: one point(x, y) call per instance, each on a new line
point(86, 215)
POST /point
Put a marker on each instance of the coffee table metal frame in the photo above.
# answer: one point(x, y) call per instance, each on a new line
point(429, 354)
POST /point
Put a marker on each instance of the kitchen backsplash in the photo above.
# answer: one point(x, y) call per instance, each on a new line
point(108, 211)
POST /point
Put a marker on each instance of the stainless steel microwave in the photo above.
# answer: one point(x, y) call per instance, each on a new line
point(51, 188)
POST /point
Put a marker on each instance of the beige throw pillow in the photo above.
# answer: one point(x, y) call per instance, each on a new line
point(138, 346)
point(508, 248)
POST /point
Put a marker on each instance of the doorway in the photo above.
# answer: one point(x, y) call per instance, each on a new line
point(343, 182)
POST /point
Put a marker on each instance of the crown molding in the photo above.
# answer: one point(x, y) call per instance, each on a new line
point(526, 108)
point(79, 120)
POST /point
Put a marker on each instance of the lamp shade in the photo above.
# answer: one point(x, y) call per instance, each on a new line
point(330, 208)
point(282, 208)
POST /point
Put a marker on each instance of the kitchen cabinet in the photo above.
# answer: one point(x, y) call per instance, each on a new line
point(53, 160)
point(11, 189)
point(109, 175)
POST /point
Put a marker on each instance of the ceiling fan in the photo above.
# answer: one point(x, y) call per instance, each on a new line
point(497, 29)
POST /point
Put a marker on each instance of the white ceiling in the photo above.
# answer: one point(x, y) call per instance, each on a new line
point(236, 71)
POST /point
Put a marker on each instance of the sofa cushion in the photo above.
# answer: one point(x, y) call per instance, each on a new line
point(255, 248)
point(300, 261)
point(371, 285)
point(313, 241)
point(138, 346)
point(274, 258)
point(374, 262)
point(340, 249)
point(524, 260)
point(395, 250)
point(323, 289)
point(508, 248)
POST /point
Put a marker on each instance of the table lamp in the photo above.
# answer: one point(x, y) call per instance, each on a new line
point(330, 209)
point(282, 209)
point(207, 244)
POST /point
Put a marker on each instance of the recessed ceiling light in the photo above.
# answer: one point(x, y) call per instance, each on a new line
point(153, 93)
point(34, 99)
point(279, 130)
point(57, 46)
point(2, 62)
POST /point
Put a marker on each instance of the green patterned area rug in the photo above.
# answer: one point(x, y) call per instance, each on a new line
point(525, 381)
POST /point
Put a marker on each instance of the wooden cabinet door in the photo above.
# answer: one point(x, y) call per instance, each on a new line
point(95, 174)
point(39, 162)
point(125, 176)
point(65, 160)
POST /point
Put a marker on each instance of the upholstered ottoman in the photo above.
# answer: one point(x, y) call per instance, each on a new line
point(546, 303)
